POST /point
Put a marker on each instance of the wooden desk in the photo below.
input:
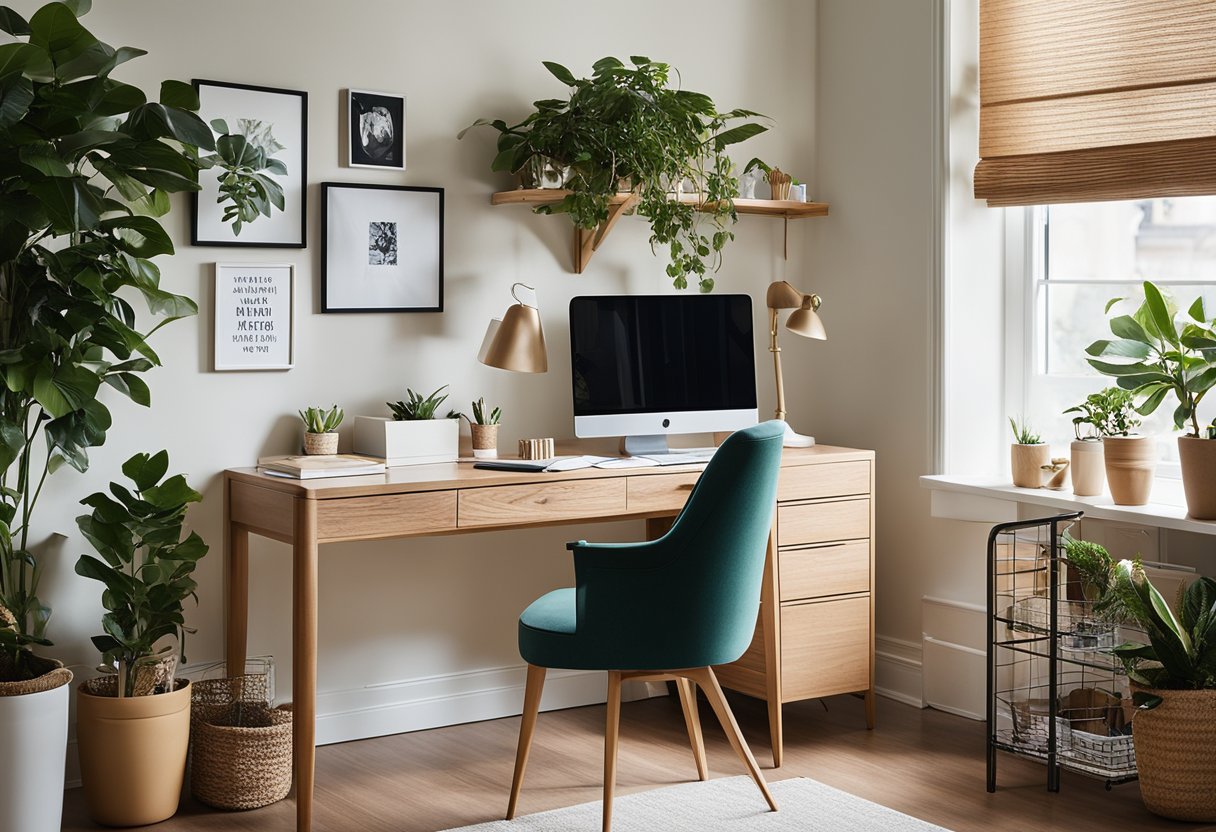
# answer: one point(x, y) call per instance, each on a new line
point(814, 637)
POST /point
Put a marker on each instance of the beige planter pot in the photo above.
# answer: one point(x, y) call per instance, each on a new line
point(133, 754)
point(320, 444)
point(1088, 468)
point(1026, 462)
point(485, 441)
point(1130, 462)
point(1198, 458)
point(1174, 757)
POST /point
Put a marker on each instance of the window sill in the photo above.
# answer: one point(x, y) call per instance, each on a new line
point(985, 500)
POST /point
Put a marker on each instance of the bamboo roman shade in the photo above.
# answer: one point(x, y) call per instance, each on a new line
point(1085, 100)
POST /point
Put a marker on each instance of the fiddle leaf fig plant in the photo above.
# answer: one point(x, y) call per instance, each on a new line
point(87, 164)
point(627, 125)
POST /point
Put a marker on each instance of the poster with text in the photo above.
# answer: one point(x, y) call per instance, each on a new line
point(253, 316)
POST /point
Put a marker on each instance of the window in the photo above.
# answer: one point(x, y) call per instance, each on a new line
point(1078, 257)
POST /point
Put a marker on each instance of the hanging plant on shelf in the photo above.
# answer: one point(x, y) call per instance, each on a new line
point(627, 128)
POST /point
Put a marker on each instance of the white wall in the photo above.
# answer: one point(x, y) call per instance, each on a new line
point(402, 620)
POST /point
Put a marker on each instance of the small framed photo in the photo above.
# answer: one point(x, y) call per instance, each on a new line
point(254, 320)
point(381, 248)
point(375, 129)
point(274, 121)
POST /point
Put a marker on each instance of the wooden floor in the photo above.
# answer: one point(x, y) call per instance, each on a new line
point(920, 762)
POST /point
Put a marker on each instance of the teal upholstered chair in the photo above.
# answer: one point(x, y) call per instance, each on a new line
point(668, 609)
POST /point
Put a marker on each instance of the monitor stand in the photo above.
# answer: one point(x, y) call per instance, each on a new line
point(644, 445)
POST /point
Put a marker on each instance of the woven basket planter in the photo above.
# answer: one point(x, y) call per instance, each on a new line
point(240, 747)
point(1174, 744)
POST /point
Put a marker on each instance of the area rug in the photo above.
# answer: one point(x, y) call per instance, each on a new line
point(730, 804)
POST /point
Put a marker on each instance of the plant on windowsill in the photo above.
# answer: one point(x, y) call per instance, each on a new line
point(1028, 455)
point(1159, 357)
point(1174, 688)
point(321, 429)
point(484, 429)
point(138, 716)
point(628, 123)
point(1109, 414)
point(412, 434)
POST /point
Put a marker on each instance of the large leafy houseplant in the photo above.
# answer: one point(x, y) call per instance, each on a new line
point(87, 164)
point(626, 126)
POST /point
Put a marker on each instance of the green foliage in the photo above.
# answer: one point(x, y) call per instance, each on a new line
point(246, 165)
point(483, 417)
point(145, 563)
point(320, 420)
point(1092, 563)
point(1022, 434)
point(628, 124)
point(1181, 653)
point(416, 408)
point(1157, 357)
point(1108, 412)
point(87, 164)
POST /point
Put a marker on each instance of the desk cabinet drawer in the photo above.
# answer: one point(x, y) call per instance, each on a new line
point(835, 569)
point(391, 515)
point(833, 479)
point(512, 505)
point(825, 648)
point(661, 492)
point(822, 522)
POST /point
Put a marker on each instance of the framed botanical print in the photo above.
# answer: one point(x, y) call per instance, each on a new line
point(254, 312)
point(381, 248)
point(375, 130)
point(265, 128)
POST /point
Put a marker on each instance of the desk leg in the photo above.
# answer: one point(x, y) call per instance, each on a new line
point(236, 566)
point(770, 608)
point(304, 658)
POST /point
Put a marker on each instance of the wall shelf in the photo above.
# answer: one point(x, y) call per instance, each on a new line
point(586, 243)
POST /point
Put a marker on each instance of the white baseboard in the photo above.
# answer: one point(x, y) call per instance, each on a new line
point(897, 670)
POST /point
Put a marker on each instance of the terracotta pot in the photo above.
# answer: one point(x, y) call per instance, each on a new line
point(1173, 754)
point(485, 441)
point(133, 754)
point(1198, 458)
point(1026, 462)
point(1130, 461)
point(320, 444)
point(1088, 468)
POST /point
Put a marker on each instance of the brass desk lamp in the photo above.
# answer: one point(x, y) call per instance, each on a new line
point(516, 342)
point(804, 320)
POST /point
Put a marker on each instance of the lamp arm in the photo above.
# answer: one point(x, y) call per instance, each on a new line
point(776, 351)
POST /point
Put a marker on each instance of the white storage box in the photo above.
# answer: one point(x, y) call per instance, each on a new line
point(407, 443)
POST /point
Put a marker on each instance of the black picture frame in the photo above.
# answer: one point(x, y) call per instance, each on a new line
point(369, 148)
point(349, 213)
point(286, 233)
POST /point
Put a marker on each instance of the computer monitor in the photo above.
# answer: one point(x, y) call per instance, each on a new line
point(647, 366)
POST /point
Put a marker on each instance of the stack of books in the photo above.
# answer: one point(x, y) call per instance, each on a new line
point(317, 466)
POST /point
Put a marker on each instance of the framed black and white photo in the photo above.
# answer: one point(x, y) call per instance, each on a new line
point(254, 321)
point(274, 121)
point(375, 129)
point(381, 248)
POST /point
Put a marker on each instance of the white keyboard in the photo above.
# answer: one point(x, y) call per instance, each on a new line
point(693, 456)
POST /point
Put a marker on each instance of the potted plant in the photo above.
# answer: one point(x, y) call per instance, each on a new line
point(627, 122)
point(90, 164)
point(1173, 681)
point(779, 183)
point(133, 725)
point(1159, 357)
point(412, 435)
point(1028, 456)
point(484, 428)
point(1108, 413)
point(321, 429)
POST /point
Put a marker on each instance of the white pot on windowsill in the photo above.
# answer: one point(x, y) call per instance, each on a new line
point(407, 443)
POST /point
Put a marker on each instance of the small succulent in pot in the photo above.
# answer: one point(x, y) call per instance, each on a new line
point(321, 429)
point(484, 428)
point(1028, 455)
point(417, 408)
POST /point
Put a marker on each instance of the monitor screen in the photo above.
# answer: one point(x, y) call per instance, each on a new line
point(665, 356)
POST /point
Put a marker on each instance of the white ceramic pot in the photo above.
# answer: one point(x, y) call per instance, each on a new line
point(408, 443)
point(33, 748)
point(1088, 468)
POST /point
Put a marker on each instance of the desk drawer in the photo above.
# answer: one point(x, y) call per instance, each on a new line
point(822, 522)
point(393, 515)
point(512, 505)
point(833, 479)
point(825, 648)
point(816, 572)
point(660, 492)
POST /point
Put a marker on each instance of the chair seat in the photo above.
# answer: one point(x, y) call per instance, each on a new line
point(547, 633)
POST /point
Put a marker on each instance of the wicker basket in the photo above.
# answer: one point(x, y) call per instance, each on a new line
point(240, 747)
point(1174, 751)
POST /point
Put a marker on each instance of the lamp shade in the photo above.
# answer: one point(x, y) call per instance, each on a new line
point(805, 320)
point(516, 343)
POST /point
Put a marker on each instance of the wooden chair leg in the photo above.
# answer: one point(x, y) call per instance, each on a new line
point(688, 701)
point(532, 691)
point(713, 692)
point(611, 732)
